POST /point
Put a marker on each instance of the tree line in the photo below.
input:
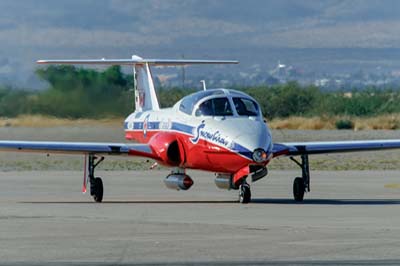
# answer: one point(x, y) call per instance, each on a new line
point(88, 93)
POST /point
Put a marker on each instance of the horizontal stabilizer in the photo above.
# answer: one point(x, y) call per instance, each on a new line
point(137, 61)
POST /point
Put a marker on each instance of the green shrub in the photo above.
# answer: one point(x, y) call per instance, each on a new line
point(90, 93)
point(344, 124)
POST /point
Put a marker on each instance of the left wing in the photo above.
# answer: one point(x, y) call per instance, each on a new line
point(143, 150)
point(299, 148)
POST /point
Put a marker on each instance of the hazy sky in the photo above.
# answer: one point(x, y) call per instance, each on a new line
point(33, 29)
point(286, 23)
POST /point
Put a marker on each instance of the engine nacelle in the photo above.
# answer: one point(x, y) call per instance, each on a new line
point(178, 181)
point(224, 181)
point(168, 148)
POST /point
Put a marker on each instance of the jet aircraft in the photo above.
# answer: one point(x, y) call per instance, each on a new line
point(216, 130)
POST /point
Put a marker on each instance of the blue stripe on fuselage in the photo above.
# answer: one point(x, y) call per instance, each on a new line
point(242, 150)
point(150, 125)
point(156, 125)
point(182, 128)
point(153, 125)
point(189, 130)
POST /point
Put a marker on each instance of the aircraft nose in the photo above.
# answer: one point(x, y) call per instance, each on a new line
point(256, 137)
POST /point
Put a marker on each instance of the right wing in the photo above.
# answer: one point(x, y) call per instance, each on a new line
point(101, 148)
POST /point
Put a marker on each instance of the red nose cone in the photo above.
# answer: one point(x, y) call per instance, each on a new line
point(187, 182)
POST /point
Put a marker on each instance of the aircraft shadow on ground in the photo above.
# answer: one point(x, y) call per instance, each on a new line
point(136, 202)
point(254, 201)
point(329, 201)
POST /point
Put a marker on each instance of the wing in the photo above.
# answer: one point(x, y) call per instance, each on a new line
point(298, 148)
point(142, 150)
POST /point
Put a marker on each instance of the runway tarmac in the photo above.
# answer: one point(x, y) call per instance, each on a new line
point(349, 218)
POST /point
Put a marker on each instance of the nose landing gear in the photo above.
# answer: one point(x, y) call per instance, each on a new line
point(244, 193)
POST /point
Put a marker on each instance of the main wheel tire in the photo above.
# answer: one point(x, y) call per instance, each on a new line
point(298, 189)
point(244, 193)
point(98, 189)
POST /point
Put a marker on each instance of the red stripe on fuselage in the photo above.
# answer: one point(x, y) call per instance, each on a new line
point(203, 155)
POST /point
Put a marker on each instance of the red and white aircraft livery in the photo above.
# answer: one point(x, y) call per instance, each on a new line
point(218, 130)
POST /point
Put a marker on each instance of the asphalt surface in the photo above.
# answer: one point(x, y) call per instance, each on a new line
point(349, 218)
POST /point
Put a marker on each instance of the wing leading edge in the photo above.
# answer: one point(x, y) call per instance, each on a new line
point(299, 148)
point(142, 150)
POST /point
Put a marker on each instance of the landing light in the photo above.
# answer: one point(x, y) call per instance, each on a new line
point(259, 155)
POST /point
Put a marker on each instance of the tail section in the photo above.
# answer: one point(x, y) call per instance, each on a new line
point(145, 94)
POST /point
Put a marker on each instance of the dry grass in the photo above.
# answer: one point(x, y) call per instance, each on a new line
point(304, 123)
point(387, 122)
point(378, 122)
point(38, 121)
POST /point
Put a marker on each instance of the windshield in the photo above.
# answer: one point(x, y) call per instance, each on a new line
point(215, 107)
point(188, 102)
point(245, 106)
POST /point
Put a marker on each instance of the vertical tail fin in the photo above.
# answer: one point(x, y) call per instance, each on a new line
point(145, 94)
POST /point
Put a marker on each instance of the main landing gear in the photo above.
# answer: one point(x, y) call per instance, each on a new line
point(301, 184)
point(96, 184)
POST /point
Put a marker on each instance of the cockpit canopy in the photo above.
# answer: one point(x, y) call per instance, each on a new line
point(219, 102)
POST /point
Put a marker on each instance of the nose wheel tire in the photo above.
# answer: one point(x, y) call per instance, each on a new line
point(298, 189)
point(244, 193)
point(98, 190)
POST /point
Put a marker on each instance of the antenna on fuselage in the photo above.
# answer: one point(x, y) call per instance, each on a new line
point(204, 84)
